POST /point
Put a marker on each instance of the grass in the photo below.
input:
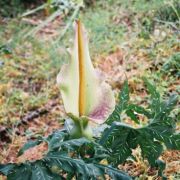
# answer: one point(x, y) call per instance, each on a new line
point(28, 67)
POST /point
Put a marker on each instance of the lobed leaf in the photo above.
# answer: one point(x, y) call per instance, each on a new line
point(139, 110)
point(155, 97)
point(6, 168)
point(20, 172)
point(122, 104)
point(120, 139)
point(115, 139)
point(28, 145)
point(114, 173)
point(42, 172)
point(56, 138)
point(150, 148)
point(161, 167)
point(74, 166)
point(165, 108)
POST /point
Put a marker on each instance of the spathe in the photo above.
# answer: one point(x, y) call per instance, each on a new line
point(82, 89)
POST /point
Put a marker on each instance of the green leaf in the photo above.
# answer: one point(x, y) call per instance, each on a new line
point(20, 172)
point(122, 104)
point(6, 168)
point(139, 110)
point(160, 110)
point(173, 142)
point(115, 174)
point(29, 171)
point(155, 97)
point(55, 139)
point(115, 139)
point(150, 149)
point(132, 115)
point(71, 165)
point(161, 167)
point(29, 145)
point(120, 138)
point(72, 144)
point(115, 116)
point(59, 141)
point(160, 130)
point(166, 107)
point(41, 172)
point(124, 95)
point(70, 176)
point(132, 111)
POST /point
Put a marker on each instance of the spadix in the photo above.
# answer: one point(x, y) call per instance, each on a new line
point(83, 92)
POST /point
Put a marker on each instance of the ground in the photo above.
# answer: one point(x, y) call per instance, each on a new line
point(127, 41)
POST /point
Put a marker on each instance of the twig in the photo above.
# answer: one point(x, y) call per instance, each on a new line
point(4, 131)
point(74, 15)
point(169, 23)
point(44, 23)
point(34, 10)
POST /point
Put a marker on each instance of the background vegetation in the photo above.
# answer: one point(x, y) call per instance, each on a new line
point(128, 39)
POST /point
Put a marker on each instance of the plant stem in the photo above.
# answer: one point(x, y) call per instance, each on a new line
point(81, 127)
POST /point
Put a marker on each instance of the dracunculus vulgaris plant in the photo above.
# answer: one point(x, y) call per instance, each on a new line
point(86, 96)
